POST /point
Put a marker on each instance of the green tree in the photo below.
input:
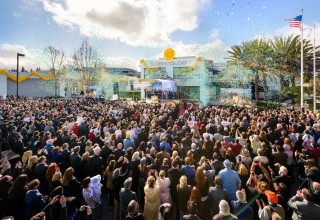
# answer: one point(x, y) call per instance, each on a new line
point(254, 55)
point(287, 56)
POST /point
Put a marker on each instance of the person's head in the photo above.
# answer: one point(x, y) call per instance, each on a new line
point(195, 195)
point(96, 150)
point(135, 156)
point(52, 168)
point(26, 156)
point(240, 196)
point(42, 159)
point(183, 183)
point(85, 156)
point(65, 146)
point(306, 194)
point(217, 181)
point(175, 164)
point(261, 152)
point(19, 184)
point(200, 178)
point(311, 163)
point(224, 208)
point(175, 154)
point(272, 197)
point(227, 164)
point(67, 176)
point(32, 161)
point(133, 207)
point(287, 141)
point(242, 170)
point(166, 212)
point(57, 177)
point(162, 174)
point(76, 149)
point(187, 161)
point(151, 181)
point(86, 182)
point(283, 171)
point(34, 184)
point(262, 186)
point(127, 183)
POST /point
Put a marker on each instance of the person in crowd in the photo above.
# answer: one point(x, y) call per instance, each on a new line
point(164, 185)
point(216, 194)
point(266, 211)
point(133, 211)
point(92, 199)
point(240, 207)
point(94, 163)
point(152, 199)
point(126, 195)
point(303, 207)
point(230, 180)
point(188, 170)
point(195, 137)
point(15, 204)
point(192, 207)
point(184, 192)
point(224, 212)
point(108, 176)
point(34, 200)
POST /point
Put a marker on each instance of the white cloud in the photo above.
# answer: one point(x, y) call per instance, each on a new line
point(215, 51)
point(123, 62)
point(8, 59)
point(134, 22)
point(308, 32)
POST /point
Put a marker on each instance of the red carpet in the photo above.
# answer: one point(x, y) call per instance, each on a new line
point(181, 111)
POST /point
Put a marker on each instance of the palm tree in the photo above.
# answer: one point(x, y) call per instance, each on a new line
point(287, 56)
point(254, 55)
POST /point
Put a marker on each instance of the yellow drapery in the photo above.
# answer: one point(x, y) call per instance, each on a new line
point(193, 66)
point(23, 78)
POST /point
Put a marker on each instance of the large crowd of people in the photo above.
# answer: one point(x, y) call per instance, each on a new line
point(61, 157)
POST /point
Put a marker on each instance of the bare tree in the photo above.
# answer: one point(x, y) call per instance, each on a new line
point(57, 59)
point(86, 61)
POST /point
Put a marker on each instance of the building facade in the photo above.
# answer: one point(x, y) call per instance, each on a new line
point(194, 77)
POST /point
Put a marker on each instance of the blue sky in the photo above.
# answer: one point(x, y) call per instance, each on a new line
point(126, 31)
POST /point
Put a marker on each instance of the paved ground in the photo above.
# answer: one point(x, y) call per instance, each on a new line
point(107, 213)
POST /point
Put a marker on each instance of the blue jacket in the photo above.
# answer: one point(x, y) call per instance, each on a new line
point(34, 203)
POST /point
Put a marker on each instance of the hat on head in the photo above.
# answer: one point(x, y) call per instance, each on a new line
point(94, 181)
point(127, 183)
point(227, 164)
point(128, 135)
point(272, 197)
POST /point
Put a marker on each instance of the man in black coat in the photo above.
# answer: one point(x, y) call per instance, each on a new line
point(94, 163)
point(65, 158)
point(19, 146)
point(41, 170)
point(174, 175)
point(118, 152)
point(142, 135)
point(75, 160)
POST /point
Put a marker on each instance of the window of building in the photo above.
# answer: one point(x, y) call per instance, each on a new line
point(177, 74)
point(153, 75)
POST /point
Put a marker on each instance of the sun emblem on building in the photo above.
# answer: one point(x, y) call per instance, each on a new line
point(169, 54)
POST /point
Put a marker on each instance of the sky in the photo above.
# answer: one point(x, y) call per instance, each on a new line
point(126, 31)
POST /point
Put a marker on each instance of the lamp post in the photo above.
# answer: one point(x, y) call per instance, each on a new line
point(18, 55)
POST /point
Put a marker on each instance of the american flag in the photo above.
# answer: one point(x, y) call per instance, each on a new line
point(296, 22)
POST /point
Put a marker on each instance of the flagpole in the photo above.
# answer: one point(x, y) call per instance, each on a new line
point(314, 69)
point(301, 74)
